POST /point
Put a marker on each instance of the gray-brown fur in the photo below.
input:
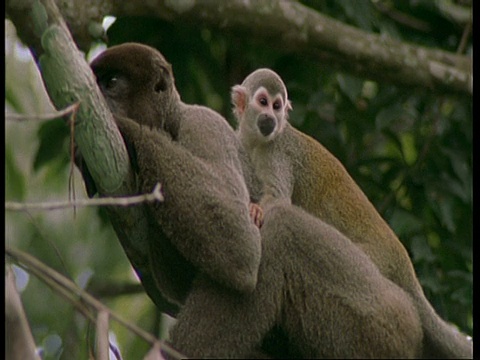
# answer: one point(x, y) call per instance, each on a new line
point(293, 165)
point(321, 289)
point(193, 152)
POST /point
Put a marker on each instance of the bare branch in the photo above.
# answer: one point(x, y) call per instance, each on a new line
point(19, 343)
point(296, 28)
point(106, 289)
point(75, 295)
point(68, 78)
point(69, 110)
point(102, 336)
point(155, 195)
point(402, 18)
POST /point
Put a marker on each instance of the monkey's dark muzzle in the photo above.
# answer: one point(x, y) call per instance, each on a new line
point(266, 124)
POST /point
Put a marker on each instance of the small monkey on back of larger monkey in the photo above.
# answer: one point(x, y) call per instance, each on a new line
point(295, 166)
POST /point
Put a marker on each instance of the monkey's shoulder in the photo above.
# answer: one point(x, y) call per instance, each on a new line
point(194, 114)
point(304, 141)
point(313, 153)
point(206, 131)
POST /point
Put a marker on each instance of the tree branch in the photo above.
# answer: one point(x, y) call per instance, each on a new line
point(292, 26)
point(69, 110)
point(69, 79)
point(155, 195)
point(19, 342)
point(79, 297)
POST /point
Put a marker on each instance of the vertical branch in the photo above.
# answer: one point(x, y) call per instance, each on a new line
point(19, 343)
point(69, 79)
point(102, 336)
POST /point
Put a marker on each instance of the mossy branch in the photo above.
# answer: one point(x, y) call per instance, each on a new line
point(69, 79)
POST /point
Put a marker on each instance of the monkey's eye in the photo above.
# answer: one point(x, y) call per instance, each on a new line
point(161, 86)
point(111, 82)
point(263, 101)
point(277, 105)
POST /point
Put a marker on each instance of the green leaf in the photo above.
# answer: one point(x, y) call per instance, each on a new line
point(52, 136)
point(404, 223)
point(388, 116)
point(409, 150)
point(421, 251)
point(14, 178)
point(351, 86)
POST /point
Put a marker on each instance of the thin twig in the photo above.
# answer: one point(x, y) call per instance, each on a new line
point(102, 335)
point(155, 195)
point(465, 36)
point(402, 18)
point(71, 182)
point(43, 117)
point(19, 342)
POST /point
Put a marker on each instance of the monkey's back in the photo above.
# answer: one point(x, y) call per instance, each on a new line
point(324, 188)
point(207, 134)
point(336, 302)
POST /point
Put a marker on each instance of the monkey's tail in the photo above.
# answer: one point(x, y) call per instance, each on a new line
point(441, 340)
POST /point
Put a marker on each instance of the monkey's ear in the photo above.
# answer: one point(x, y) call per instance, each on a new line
point(239, 99)
point(165, 79)
point(288, 106)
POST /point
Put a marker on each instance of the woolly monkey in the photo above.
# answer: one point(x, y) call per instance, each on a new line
point(203, 225)
point(320, 288)
point(293, 165)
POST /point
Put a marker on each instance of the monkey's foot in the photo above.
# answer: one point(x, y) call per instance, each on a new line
point(256, 214)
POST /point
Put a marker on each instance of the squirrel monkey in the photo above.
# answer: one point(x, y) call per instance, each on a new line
point(293, 165)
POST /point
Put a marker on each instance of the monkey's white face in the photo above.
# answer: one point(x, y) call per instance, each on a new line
point(266, 114)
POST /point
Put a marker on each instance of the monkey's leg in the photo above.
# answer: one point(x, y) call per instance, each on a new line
point(221, 323)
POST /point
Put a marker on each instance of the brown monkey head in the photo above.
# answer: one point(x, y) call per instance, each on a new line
point(261, 105)
point(137, 83)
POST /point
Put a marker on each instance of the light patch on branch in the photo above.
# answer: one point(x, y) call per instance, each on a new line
point(155, 195)
point(449, 74)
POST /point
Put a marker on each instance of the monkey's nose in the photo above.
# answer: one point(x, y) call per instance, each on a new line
point(266, 125)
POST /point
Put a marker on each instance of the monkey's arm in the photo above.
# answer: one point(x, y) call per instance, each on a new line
point(254, 186)
point(208, 225)
point(252, 181)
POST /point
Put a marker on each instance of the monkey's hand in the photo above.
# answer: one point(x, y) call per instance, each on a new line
point(200, 219)
point(129, 128)
point(256, 214)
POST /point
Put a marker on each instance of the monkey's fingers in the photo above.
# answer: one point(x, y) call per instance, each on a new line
point(256, 214)
point(127, 126)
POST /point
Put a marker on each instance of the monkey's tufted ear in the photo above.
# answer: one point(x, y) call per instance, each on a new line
point(239, 99)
